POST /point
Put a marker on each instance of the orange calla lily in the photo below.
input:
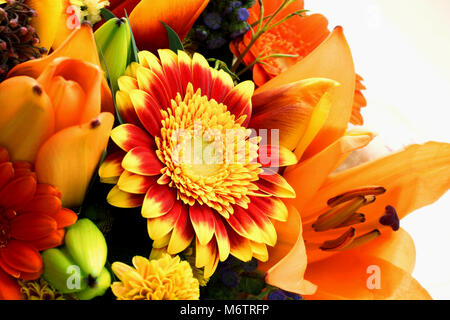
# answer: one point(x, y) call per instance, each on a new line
point(146, 17)
point(351, 220)
point(299, 36)
point(54, 121)
point(79, 45)
point(47, 22)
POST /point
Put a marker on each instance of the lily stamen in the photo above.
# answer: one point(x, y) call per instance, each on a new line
point(340, 242)
point(338, 214)
point(366, 191)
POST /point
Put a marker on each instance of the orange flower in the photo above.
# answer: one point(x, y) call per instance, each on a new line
point(351, 224)
point(146, 18)
point(334, 251)
point(298, 36)
point(31, 220)
point(54, 121)
point(227, 205)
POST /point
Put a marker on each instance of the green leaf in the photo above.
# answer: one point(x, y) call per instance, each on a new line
point(218, 64)
point(134, 57)
point(106, 14)
point(174, 41)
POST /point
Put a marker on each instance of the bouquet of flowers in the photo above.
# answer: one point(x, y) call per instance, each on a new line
point(196, 150)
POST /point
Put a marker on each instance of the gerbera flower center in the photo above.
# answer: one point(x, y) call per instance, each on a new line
point(208, 154)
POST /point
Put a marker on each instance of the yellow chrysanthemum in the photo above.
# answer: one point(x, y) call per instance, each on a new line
point(166, 278)
point(39, 290)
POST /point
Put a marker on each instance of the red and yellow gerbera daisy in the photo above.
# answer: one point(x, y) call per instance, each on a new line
point(31, 220)
point(227, 199)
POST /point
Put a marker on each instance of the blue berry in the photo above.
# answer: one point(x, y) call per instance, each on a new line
point(213, 20)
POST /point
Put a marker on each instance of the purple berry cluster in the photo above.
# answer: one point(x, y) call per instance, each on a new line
point(18, 39)
point(221, 22)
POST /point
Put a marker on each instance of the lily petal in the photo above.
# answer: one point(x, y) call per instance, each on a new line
point(289, 108)
point(316, 169)
point(413, 178)
point(332, 59)
point(355, 277)
point(287, 260)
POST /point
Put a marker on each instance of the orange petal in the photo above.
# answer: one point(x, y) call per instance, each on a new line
point(26, 117)
point(9, 287)
point(18, 192)
point(74, 88)
point(32, 226)
point(129, 136)
point(134, 183)
point(203, 221)
point(180, 15)
point(159, 227)
point(287, 260)
point(332, 60)
point(397, 247)
point(79, 45)
point(65, 218)
point(122, 199)
point(68, 159)
point(182, 233)
point(413, 178)
point(21, 257)
point(274, 184)
point(307, 177)
point(47, 21)
point(143, 161)
point(351, 276)
point(158, 201)
point(289, 108)
point(111, 168)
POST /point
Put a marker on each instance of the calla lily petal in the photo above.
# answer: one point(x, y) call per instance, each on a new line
point(74, 87)
point(48, 19)
point(289, 108)
point(351, 276)
point(58, 162)
point(26, 117)
point(332, 60)
point(146, 18)
point(79, 45)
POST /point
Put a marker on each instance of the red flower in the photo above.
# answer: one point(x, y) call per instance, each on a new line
point(31, 220)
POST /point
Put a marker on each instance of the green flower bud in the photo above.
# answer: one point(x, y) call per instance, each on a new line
point(87, 246)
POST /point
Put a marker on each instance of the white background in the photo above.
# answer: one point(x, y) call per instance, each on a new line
point(402, 49)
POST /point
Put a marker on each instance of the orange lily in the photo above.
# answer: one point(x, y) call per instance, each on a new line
point(146, 18)
point(298, 36)
point(51, 116)
point(410, 179)
point(341, 245)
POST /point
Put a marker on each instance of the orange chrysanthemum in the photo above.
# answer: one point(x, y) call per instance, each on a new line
point(226, 200)
point(31, 220)
point(299, 36)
